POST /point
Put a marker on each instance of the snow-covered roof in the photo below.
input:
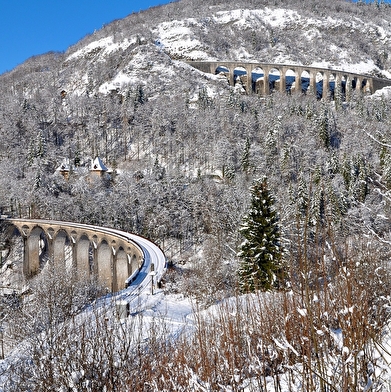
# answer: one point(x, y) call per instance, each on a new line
point(64, 167)
point(98, 165)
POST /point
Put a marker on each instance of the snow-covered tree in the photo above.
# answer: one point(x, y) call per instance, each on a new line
point(261, 251)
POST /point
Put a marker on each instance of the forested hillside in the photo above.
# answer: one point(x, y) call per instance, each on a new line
point(184, 148)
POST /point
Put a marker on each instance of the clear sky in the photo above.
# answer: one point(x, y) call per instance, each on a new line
point(32, 27)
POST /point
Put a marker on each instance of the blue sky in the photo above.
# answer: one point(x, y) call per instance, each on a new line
point(32, 27)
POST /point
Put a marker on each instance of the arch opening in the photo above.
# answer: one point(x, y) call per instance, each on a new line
point(365, 86)
point(305, 81)
point(274, 79)
point(257, 80)
point(240, 79)
point(319, 85)
point(354, 83)
point(222, 72)
point(290, 81)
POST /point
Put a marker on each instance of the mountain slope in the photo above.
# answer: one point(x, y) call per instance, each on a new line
point(183, 148)
point(266, 34)
point(337, 35)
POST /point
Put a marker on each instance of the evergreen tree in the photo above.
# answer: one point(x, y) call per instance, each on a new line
point(246, 156)
point(140, 97)
point(302, 198)
point(41, 144)
point(261, 252)
point(323, 125)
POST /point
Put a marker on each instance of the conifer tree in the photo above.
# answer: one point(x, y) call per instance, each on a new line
point(246, 156)
point(261, 251)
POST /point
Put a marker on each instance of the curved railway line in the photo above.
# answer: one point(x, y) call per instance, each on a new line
point(150, 271)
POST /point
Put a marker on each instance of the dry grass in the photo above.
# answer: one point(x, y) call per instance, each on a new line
point(318, 335)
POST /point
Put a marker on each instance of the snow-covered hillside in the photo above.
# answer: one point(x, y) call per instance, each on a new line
point(185, 148)
point(266, 34)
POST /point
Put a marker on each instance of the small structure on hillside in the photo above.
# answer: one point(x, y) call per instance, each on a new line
point(95, 168)
point(64, 169)
point(98, 168)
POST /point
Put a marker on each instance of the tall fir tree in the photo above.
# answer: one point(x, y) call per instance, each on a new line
point(261, 252)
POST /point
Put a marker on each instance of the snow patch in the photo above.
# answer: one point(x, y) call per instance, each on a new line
point(179, 38)
point(104, 45)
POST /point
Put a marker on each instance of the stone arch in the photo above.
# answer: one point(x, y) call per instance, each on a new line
point(50, 232)
point(257, 80)
point(121, 269)
point(95, 241)
point(240, 77)
point(104, 264)
point(290, 80)
point(223, 72)
point(25, 229)
point(365, 87)
point(34, 251)
point(354, 82)
point(274, 79)
point(73, 236)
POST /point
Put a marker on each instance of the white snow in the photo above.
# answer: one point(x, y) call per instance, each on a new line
point(179, 38)
point(119, 81)
point(104, 46)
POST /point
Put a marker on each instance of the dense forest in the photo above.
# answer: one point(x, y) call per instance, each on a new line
point(184, 148)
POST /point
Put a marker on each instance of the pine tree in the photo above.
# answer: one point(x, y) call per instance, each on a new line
point(261, 252)
point(323, 125)
point(246, 156)
point(140, 97)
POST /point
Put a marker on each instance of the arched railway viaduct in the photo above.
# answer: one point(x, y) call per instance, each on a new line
point(263, 78)
point(110, 255)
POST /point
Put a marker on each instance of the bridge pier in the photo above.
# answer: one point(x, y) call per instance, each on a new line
point(81, 255)
point(105, 264)
point(231, 80)
point(249, 81)
point(326, 85)
point(298, 85)
point(312, 87)
point(282, 83)
point(121, 268)
point(32, 250)
point(58, 248)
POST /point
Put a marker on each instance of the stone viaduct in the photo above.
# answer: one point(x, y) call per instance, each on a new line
point(108, 254)
point(262, 78)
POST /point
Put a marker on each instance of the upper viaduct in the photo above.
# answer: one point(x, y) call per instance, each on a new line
point(113, 256)
point(263, 78)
